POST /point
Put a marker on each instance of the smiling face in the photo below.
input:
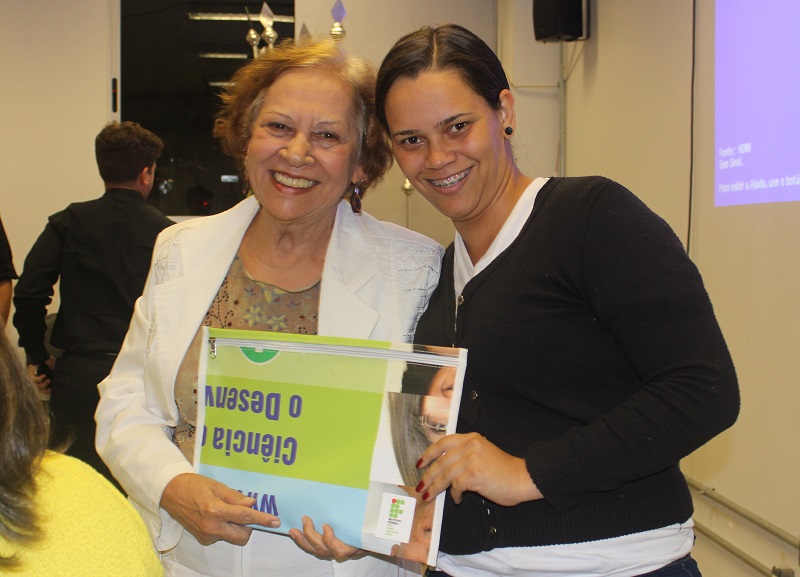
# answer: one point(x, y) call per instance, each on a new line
point(301, 157)
point(450, 143)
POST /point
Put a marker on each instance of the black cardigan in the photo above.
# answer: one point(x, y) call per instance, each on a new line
point(594, 353)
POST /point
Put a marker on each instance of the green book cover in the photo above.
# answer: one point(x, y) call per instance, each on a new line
point(329, 428)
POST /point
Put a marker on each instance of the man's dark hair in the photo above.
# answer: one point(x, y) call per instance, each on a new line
point(123, 149)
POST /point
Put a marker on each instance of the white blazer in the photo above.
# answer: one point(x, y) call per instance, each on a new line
point(377, 280)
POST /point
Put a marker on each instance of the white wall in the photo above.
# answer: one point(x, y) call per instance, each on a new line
point(52, 110)
point(749, 255)
point(533, 69)
point(629, 116)
point(629, 102)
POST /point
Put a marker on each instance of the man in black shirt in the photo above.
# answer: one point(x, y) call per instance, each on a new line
point(100, 250)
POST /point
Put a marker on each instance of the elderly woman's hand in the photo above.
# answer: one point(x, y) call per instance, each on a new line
point(326, 545)
point(212, 511)
point(471, 463)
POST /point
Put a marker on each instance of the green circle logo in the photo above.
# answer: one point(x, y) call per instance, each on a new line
point(259, 356)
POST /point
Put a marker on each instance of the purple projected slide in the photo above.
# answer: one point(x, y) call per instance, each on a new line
point(757, 102)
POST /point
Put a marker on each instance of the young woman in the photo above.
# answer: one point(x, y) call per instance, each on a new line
point(595, 359)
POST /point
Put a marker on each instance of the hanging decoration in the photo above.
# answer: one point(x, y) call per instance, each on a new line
point(268, 36)
point(338, 12)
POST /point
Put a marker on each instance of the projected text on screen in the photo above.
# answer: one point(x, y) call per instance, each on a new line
point(757, 118)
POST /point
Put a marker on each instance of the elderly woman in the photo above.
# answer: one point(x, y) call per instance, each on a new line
point(297, 256)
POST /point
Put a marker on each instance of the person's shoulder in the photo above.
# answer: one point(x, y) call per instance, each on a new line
point(155, 218)
point(88, 204)
point(91, 518)
point(57, 466)
point(61, 217)
point(81, 210)
point(395, 232)
point(583, 191)
point(182, 229)
point(582, 184)
point(67, 484)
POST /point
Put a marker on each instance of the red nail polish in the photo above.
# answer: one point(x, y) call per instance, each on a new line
point(419, 463)
point(419, 487)
point(425, 496)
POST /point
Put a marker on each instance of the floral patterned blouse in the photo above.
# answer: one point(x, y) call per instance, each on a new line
point(246, 304)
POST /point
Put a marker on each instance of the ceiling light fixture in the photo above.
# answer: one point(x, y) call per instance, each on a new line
point(269, 35)
point(224, 55)
point(224, 17)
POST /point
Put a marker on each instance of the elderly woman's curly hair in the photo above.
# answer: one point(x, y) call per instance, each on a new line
point(243, 99)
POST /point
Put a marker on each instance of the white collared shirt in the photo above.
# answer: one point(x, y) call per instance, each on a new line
point(464, 270)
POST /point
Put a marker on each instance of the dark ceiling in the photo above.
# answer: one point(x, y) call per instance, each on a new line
point(166, 87)
point(161, 44)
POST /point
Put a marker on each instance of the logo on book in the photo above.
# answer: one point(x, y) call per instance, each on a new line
point(395, 509)
point(396, 517)
point(259, 355)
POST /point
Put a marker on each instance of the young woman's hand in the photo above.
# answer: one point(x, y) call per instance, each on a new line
point(325, 545)
point(471, 463)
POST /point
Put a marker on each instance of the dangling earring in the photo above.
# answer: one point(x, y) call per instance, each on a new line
point(245, 180)
point(355, 199)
